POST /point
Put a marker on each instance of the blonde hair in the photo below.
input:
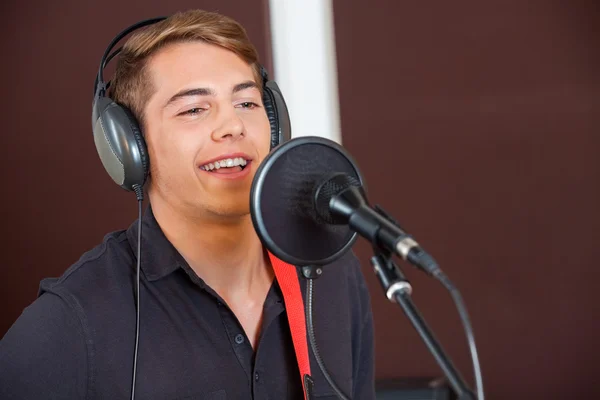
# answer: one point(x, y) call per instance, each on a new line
point(132, 86)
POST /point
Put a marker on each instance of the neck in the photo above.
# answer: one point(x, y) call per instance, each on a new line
point(225, 252)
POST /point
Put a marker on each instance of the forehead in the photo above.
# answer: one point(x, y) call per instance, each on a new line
point(180, 64)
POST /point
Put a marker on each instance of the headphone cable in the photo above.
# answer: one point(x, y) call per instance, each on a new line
point(140, 198)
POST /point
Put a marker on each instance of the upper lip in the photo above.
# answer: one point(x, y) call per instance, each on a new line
point(226, 156)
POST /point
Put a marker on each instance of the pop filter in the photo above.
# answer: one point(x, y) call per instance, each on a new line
point(282, 201)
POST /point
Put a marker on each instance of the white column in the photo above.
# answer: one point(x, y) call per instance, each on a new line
point(304, 59)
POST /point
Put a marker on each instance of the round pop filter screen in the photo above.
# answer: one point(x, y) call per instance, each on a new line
point(282, 205)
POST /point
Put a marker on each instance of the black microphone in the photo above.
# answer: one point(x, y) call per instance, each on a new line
point(340, 199)
point(308, 203)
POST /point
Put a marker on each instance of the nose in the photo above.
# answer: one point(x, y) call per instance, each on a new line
point(229, 124)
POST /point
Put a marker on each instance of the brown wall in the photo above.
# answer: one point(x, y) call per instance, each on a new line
point(474, 125)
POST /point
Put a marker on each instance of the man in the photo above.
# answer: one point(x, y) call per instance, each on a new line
point(213, 324)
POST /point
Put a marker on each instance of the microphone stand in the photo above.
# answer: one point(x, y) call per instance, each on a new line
point(398, 289)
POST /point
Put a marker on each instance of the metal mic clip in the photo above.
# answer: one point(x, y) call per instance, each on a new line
point(390, 276)
point(409, 249)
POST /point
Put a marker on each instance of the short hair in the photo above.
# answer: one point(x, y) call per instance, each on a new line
point(132, 86)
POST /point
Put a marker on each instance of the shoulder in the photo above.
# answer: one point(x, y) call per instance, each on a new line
point(45, 353)
point(113, 250)
point(86, 285)
point(342, 326)
point(98, 271)
point(84, 300)
point(98, 289)
point(347, 272)
point(49, 349)
point(341, 293)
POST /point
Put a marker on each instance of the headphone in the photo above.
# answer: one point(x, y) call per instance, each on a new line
point(118, 137)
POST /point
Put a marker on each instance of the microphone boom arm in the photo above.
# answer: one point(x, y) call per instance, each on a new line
point(398, 290)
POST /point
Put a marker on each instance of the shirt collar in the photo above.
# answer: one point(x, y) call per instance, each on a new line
point(159, 256)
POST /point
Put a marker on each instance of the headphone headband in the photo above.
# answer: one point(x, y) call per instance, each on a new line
point(100, 86)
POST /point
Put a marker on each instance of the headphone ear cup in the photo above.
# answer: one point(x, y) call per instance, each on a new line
point(120, 144)
point(277, 112)
point(141, 144)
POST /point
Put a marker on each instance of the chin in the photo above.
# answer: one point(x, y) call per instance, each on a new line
point(232, 211)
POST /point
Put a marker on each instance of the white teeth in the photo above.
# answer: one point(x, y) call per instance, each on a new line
point(226, 163)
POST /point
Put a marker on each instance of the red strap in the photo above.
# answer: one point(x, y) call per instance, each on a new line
point(290, 287)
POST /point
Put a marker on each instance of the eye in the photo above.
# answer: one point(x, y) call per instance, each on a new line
point(192, 111)
point(248, 105)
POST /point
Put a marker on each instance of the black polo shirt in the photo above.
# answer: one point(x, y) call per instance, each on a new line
point(76, 340)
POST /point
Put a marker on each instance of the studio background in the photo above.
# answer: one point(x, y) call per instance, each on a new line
point(474, 123)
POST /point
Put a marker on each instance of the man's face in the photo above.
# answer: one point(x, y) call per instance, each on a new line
point(206, 114)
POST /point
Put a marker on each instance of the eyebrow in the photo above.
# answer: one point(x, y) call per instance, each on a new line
point(208, 92)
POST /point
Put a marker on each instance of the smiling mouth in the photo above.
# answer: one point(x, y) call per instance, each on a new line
point(226, 165)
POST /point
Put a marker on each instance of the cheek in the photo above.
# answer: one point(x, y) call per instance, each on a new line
point(170, 153)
